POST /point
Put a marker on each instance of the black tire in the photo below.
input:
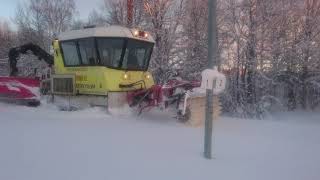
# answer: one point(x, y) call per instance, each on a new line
point(33, 103)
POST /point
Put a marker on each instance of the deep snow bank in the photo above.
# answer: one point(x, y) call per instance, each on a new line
point(44, 143)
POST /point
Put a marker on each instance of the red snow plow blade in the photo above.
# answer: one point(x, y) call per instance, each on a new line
point(164, 95)
point(20, 90)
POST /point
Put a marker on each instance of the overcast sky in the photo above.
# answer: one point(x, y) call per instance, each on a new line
point(84, 7)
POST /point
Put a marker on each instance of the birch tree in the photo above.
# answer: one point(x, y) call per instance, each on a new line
point(40, 21)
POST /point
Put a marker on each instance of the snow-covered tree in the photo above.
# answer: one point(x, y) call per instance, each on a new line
point(40, 21)
point(7, 39)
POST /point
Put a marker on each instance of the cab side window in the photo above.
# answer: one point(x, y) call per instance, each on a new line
point(70, 53)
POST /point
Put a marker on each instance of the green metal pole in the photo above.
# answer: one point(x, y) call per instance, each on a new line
point(212, 61)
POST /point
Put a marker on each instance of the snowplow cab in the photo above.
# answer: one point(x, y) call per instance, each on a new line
point(105, 59)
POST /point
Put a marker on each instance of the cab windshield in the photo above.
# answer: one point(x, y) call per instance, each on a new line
point(124, 54)
point(117, 53)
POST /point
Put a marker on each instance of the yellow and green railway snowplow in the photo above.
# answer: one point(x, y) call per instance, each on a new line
point(104, 60)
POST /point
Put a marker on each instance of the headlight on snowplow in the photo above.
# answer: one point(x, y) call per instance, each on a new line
point(136, 33)
point(139, 33)
point(147, 76)
point(125, 76)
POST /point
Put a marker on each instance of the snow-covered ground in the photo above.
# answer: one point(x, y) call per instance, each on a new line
point(46, 144)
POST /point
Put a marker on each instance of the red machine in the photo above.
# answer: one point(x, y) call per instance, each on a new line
point(20, 90)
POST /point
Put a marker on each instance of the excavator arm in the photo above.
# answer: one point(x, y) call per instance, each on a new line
point(22, 90)
point(15, 52)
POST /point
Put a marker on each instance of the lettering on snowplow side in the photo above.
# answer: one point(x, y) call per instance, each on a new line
point(81, 78)
point(85, 86)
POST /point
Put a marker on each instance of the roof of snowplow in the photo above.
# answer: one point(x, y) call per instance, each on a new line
point(110, 31)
